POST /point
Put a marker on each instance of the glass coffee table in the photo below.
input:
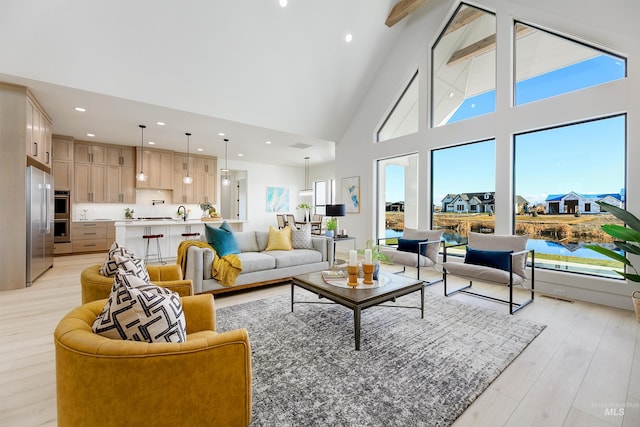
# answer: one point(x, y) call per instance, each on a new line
point(388, 287)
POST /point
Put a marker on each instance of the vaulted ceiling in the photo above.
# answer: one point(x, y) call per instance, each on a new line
point(249, 68)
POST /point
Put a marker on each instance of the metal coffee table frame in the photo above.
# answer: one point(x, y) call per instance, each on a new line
point(361, 298)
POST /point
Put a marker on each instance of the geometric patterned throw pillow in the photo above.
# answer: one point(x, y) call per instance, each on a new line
point(140, 311)
point(301, 239)
point(109, 268)
point(133, 266)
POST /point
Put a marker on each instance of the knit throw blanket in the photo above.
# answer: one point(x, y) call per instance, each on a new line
point(224, 269)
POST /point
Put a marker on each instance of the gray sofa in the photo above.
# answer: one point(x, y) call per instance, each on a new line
point(259, 267)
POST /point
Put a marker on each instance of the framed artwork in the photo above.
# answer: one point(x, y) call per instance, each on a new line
point(351, 193)
point(277, 199)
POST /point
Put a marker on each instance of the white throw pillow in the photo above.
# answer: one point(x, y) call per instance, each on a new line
point(109, 267)
point(139, 311)
point(301, 239)
point(133, 266)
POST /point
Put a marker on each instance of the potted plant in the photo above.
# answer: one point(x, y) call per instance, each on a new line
point(305, 207)
point(128, 213)
point(376, 256)
point(205, 207)
point(332, 224)
point(628, 241)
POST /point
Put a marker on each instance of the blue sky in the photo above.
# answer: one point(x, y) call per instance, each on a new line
point(569, 158)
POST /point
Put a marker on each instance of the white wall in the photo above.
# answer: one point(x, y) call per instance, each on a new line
point(615, 30)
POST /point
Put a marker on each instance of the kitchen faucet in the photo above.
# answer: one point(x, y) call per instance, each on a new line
point(184, 212)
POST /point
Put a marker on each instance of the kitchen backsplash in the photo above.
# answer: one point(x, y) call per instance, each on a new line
point(144, 207)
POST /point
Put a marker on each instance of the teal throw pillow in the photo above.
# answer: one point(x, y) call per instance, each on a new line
point(222, 239)
point(494, 259)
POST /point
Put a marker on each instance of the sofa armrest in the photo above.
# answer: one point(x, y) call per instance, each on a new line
point(199, 313)
point(195, 267)
point(184, 288)
point(324, 245)
point(164, 273)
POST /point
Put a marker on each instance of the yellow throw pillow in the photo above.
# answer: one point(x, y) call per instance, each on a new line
point(279, 240)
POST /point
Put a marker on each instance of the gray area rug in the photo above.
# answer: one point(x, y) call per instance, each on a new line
point(409, 371)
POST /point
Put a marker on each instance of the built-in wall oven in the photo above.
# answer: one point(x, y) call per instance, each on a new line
point(62, 216)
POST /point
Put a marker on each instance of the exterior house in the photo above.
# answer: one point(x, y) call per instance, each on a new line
point(469, 202)
point(395, 206)
point(572, 202)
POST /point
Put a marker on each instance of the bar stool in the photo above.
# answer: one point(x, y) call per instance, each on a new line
point(189, 236)
point(158, 255)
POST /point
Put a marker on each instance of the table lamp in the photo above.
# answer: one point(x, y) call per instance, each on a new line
point(336, 211)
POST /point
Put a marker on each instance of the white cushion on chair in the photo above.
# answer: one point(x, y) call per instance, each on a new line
point(430, 235)
point(492, 242)
point(407, 258)
point(482, 273)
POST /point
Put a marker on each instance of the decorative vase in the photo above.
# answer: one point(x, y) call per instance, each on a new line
point(376, 270)
point(328, 233)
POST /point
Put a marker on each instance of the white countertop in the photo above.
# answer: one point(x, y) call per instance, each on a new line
point(168, 222)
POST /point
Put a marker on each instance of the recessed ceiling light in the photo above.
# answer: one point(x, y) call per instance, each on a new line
point(220, 133)
point(240, 154)
point(283, 3)
point(267, 142)
point(160, 123)
point(199, 149)
point(82, 110)
point(451, 94)
point(91, 135)
point(348, 38)
point(151, 143)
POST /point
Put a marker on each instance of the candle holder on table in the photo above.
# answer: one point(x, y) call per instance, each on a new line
point(368, 273)
point(352, 271)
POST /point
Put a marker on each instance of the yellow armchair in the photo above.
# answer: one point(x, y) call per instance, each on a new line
point(104, 382)
point(96, 286)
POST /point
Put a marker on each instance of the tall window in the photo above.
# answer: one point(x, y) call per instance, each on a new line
point(464, 70)
point(559, 175)
point(463, 192)
point(403, 118)
point(398, 190)
point(324, 194)
point(547, 65)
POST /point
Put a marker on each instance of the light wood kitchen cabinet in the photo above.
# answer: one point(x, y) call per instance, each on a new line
point(121, 156)
point(38, 133)
point(13, 124)
point(90, 182)
point(104, 173)
point(206, 187)
point(203, 171)
point(158, 166)
point(121, 184)
point(62, 162)
point(84, 152)
point(92, 236)
point(183, 193)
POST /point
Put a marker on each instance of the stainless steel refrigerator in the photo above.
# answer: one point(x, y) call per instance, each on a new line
point(39, 223)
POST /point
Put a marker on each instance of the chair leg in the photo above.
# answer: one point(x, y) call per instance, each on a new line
point(159, 253)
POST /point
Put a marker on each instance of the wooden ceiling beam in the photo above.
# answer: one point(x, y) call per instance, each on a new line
point(463, 18)
point(485, 45)
point(402, 9)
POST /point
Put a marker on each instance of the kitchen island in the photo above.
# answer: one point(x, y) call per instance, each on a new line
point(129, 234)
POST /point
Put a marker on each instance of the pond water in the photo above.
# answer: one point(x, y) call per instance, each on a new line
point(539, 245)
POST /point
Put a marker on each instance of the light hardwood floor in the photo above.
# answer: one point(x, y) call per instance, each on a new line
point(582, 370)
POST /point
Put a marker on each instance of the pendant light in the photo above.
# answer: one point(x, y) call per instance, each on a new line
point(141, 176)
point(306, 191)
point(225, 177)
point(187, 179)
